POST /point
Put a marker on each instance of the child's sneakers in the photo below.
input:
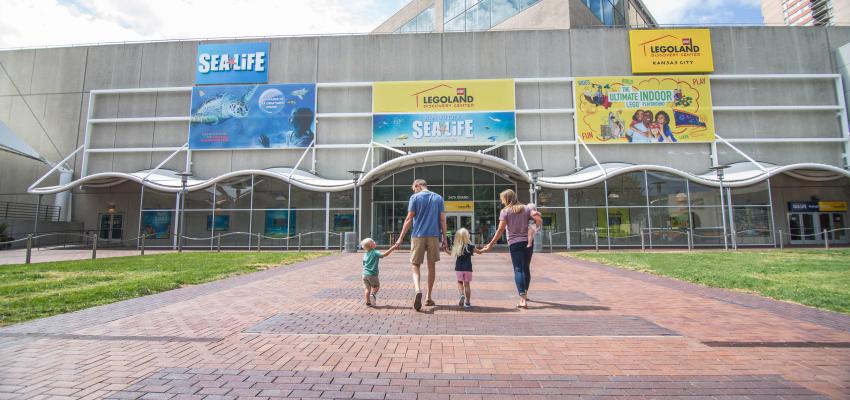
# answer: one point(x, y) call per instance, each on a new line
point(374, 299)
point(467, 305)
point(462, 301)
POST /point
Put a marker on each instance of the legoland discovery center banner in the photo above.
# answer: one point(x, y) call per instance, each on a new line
point(443, 113)
point(252, 116)
point(644, 109)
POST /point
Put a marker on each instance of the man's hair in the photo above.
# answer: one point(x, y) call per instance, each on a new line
point(420, 182)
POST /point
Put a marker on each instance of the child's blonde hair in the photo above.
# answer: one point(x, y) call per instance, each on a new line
point(367, 242)
point(461, 240)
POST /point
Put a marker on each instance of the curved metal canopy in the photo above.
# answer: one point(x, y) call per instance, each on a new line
point(737, 175)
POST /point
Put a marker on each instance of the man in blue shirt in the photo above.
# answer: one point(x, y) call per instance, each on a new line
point(427, 214)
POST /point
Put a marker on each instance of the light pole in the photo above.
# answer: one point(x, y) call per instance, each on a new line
point(718, 169)
point(535, 173)
point(184, 180)
point(355, 173)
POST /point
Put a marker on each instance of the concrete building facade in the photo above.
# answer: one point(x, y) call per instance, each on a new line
point(119, 114)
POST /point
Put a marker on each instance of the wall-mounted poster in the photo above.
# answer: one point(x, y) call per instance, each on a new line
point(443, 113)
point(222, 223)
point(644, 109)
point(252, 116)
point(156, 224)
point(279, 223)
point(343, 222)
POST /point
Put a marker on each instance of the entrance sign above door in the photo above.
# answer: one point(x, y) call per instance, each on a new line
point(817, 206)
point(443, 113)
point(671, 51)
point(644, 109)
point(458, 206)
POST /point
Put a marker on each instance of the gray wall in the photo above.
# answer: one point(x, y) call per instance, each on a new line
point(55, 84)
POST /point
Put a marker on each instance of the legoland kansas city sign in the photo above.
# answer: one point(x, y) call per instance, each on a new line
point(232, 63)
point(671, 51)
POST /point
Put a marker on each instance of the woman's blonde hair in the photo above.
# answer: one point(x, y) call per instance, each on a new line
point(511, 202)
point(460, 242)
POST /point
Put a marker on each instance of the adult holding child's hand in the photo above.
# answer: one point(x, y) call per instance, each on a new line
point(514, 219)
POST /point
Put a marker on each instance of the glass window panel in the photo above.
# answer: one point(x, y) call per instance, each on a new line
point(200, 199)
point(669, 226)
point(627, 190)
point(303, 198)
point(607, 12)
point(666, 190)
point(589, 196)
point(456, 175)
point(478, 17)
point(751, 195)
point(752, 225)
point(452, 8)
point(154, 200)
point(458, 193)
point(404, 178)
point(236, 192)
point(343, 199)
point(627, 223)
point(456, 25)
point(159, 226)
point(307, 222)
point(483, 177)
point(501, 10)
point(703, 195)
point(501, 188)
point(409, 27)
point(239, 222)
point(425, 20)
point(387, 181)
point(384, 193)
point(486, 221)
point(583, 221)
point(383, 217)
point(269, 193)
point(500, 180)
point(433, 174)
point(399, 215)
point(435, 189)
point(707, 225)
point(485, 193)
point(550, 198)
point(402, 193)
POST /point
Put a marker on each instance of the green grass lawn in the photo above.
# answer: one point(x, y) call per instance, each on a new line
point(816, 278)
point(40, 290)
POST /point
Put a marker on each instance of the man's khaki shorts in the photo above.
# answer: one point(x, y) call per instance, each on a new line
point(422, 246)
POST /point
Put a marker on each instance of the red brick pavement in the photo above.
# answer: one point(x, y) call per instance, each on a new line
point(302, 331)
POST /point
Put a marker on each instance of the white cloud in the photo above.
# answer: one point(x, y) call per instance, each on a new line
point(25, 23)
point(677, 12)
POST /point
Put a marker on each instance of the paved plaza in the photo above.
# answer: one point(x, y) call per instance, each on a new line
point(302, 331)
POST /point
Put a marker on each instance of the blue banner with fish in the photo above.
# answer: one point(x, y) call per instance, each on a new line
point(253, 116)
point(444, 129)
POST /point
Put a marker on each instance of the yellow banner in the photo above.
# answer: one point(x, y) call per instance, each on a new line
point(458, 206)
point(443, 96)
point(644, 109)
point(832, 205)
point(671, 51)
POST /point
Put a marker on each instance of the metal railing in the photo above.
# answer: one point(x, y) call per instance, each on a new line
point(16, 210)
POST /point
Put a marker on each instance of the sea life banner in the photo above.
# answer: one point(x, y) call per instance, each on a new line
point(443, 129)
point(444, 113)
point(443, 96)
point(253, 116)
point(644, 109)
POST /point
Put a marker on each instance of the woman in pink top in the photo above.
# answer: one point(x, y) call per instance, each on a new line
point(514, 219)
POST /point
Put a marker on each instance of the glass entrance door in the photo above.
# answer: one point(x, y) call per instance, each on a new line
point(834, 224)
point(455, 221)
point(802, 226)
point(111, 227)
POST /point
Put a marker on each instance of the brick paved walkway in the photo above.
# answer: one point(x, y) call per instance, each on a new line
point(302, 332)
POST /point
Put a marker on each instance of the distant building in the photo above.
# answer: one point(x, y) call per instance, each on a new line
point(424, 16)
point(806, 12)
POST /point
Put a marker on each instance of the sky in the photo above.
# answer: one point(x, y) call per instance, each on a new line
point(33, 23)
